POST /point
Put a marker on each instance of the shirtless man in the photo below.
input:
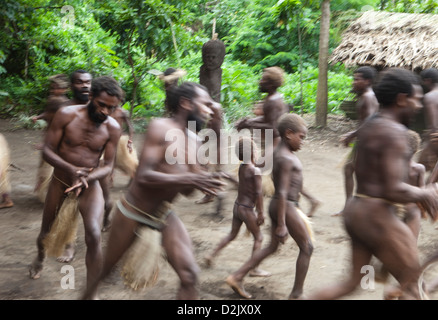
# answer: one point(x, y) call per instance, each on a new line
point(80, 86)
point(287, 174)
point(429, 155)
point(269, 111)
point(366, 106)
point(157, 182)
point(381, 168)
point(273, 105)
point(249, 197)
point(74, 144)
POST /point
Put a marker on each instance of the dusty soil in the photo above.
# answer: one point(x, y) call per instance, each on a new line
point(322, 159)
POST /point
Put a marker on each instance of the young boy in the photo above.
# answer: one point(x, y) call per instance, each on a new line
point(287, 174)
point(249, 196)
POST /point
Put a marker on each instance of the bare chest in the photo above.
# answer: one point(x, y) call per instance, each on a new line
point(86, 135)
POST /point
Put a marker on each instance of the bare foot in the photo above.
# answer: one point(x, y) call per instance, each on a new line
point(68, 255)
point(6, 204)
point(35, 269)
point(299, 297)
point(237, 287)
point(337, 214)
point(207, 198)
point(259, 273)
point(391, 292)
point(314, 204)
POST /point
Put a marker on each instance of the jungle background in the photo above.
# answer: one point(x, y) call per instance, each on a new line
point(132, 39)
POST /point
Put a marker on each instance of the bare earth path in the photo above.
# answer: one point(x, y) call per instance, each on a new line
point(322, 159)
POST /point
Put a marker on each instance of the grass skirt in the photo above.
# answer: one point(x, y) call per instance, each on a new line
point(64, 228)
point(141, 262)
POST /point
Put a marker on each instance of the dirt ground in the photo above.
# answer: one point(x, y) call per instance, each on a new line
point(322, 160)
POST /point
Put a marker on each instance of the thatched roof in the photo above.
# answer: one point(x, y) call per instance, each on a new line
point(387, 39)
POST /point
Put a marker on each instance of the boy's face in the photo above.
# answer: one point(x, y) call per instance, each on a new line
point(296, 139)
point(360, 84)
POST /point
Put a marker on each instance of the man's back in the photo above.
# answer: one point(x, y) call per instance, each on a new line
point(382, 153)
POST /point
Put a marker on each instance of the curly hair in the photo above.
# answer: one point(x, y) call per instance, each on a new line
point(274, 75)
point(430, 73)
point(393, 82)
point(367, 72)
point(292, 122)
point(186, 90)
point(109, 85)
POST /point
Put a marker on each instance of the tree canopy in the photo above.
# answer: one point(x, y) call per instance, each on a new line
point(128, 38)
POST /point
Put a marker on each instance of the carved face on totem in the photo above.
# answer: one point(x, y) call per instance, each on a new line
point(213, 54)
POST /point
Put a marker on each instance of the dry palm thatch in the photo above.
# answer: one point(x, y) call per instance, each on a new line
point(388, 39)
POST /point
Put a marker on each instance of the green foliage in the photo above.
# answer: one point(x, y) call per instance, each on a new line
point(128, 38)
point(339, 84)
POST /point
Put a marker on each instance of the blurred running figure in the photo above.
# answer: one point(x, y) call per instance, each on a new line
point(382, 168)
point(366, 106)
point(156, 183)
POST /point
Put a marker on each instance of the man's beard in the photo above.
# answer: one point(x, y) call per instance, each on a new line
point(82, 96)
point(94, 116)
point(198, 121)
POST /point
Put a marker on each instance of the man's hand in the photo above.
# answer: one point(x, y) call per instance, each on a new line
point(281, 233)
point(129, 145)
point(209, 182)
point(80, 181)
point(260, 219)
point(347, 138)
point(240, 124)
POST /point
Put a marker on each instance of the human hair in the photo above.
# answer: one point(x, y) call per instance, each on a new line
point(61, 80)
point(292, 122)
point(169, 71)
point(275, 75)
point(109, 85)
point(245, 147)
point(184, 90)
point(73, 75)
point(430, 73)
point(414, 141)
point(393, 82)
point(367, 72)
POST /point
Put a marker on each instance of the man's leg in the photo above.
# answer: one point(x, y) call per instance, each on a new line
point(91, 206)
point(179, 250)
point(120, 239)
point(298, 231)
point(348, 185)
point(360, 257)
point(54, 200)
point(399, 254)
point(235, 280)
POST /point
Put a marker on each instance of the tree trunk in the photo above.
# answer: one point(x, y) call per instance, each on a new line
point(322, 92)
